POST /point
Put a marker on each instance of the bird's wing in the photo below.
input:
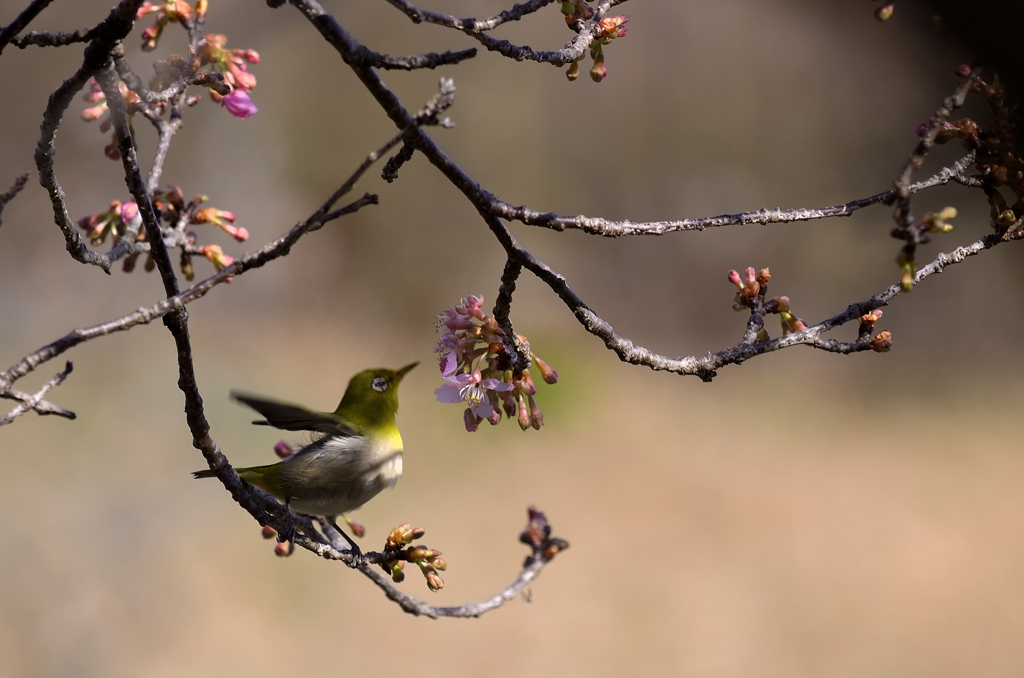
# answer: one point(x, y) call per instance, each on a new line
point(293, 417)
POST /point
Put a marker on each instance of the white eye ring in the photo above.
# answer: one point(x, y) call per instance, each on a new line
point(380, 384)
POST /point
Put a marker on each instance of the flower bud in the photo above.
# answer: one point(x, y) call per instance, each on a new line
point(763, 276)
point(598, 72)
point(357, 529)
point(549, 375)
point(397, 573)
point(882, 342)
point(283, 449)
point(283, 549)
point(1006, 218)
point(269, 532)
point(962, 71)
point(434, 582)
point(524, 414)
point(573, 72)
point(536, 416)
point(885, 11)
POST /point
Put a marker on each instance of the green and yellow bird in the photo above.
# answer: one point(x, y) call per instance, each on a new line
point(357, 454)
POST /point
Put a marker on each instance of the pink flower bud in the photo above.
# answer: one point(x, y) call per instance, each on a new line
point(434, 582)
point(269, 532)
point(549, 375)
point(129, 211)
point(239, 104)
point(283, 449)
point(524, 414)
point(536, 416)
point(284, 549)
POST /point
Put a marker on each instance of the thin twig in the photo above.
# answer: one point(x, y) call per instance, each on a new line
point(574, 51)
point(33, 401)
point(15, 189)
point(59, 39)
point(615, 229)
point(430, 60)
point(22, 20)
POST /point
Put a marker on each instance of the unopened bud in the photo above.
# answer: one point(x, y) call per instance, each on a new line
point(524, 414)
point(357, 529)
point(284, 549)
point(573, 71)
point(734, 278)
point(397, 571)
point(962, 71)
point(549, 375)
point(777, 305)
point(283, 449)
point(434, 582)
point(885, 11)
point(554, 546)
point(763, 276)
point(269, 532)
point(536, 416)
point(882, 342)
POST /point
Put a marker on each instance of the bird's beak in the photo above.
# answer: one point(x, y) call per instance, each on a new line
point(401, 372)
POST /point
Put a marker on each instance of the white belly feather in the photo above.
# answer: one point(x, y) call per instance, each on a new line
point(338, 475)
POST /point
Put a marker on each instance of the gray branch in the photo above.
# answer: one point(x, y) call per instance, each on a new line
point(33, 402)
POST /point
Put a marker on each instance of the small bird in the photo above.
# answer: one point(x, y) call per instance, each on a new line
point(357, 454)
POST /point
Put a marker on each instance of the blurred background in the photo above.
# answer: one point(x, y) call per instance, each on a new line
point(803, 515)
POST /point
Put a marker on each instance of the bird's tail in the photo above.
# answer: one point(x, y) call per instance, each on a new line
point(205, 473)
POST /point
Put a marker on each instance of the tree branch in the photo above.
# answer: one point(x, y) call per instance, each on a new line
point(33, 402)
point(23, 20)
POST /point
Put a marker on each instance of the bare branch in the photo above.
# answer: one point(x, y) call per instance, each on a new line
point(144, 316)
point(519, 350)
point(23, 20)
point(469, 25)
point(114, 28)
point(54, 39)
point(32, 402)
point(616, 229)
point(477, 30)
point(706, 366)
point(411, 63)
point(15, 189)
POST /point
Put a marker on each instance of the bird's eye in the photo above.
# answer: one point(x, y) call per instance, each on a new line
point(380, 384)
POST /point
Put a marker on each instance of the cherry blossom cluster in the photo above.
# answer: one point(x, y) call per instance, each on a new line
point(121, 220)
point(475, 360)
point(427, 559)
point(752, 292)
point(168, 12)
point(231, 63)
point(577, 12)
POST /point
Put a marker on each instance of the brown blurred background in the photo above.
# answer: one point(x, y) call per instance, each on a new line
point(803, 515)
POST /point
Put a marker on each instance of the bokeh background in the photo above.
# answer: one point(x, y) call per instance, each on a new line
point(803, 515)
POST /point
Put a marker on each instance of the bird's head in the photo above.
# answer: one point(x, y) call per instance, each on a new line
point(371, 398)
